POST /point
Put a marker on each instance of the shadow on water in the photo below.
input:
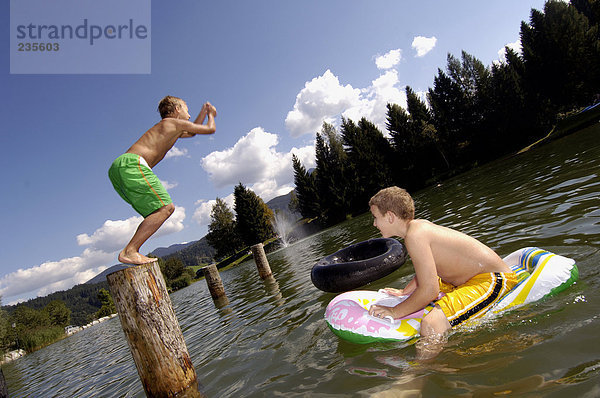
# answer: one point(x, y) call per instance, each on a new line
point(271, 339)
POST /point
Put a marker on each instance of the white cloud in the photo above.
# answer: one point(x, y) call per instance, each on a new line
point(423, 45)
point(173, 224)
point(325, 99)
point(389, 60)
point(202, 213)
point(306, 156)
point(168, 185)
point(176, 152)
point(383, 90)
point(101, 252)
point(53, 275)
point(249, 160)
point(515, 46)
point(321, 99)
point(114, 235)
point(255, 162)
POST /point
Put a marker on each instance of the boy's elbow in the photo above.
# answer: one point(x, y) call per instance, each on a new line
point(433, 293)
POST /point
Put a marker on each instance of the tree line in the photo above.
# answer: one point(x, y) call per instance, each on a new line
point(229, 232)
point(472, 115)
point(198, 253)
point(28, 328)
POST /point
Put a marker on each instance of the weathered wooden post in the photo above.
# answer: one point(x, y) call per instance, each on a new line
point(152, 331)
point(3, 389)
point(215, 284)
point(260, 258)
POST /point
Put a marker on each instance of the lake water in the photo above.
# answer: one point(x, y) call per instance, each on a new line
point(272, 340)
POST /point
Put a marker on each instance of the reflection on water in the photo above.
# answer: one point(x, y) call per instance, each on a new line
point(271, 338)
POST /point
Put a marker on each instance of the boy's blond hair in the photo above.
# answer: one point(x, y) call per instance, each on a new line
point(168, 105)
point(396, 200)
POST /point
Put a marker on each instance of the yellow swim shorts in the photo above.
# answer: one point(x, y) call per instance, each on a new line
point(473, 298)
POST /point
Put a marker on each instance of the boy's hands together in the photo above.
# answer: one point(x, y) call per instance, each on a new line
point(210, 109)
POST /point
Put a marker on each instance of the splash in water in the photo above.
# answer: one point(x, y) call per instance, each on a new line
point(283, 227)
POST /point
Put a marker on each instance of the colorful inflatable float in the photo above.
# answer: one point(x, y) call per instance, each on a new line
point(540, 274)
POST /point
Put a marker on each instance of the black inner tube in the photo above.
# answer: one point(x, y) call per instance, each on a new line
point(358, 265)
point(358, 252)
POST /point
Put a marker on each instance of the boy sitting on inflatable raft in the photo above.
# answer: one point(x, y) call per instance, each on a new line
point(470, 274)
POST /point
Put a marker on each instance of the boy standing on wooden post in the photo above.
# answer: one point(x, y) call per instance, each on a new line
point(470, 274)
point(132, 177)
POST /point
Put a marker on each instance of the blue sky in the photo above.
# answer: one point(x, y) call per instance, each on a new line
point(275, 70)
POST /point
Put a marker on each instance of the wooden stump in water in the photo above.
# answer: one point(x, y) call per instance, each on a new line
point(3, 389)
point(214, 282)
point(152, 331)
point(260, 258)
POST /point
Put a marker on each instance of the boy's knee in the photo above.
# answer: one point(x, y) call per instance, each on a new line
point(169, 209)
point(435, 322)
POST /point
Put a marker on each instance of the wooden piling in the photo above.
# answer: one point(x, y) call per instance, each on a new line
point(3, 389)
point(260, 258)
point(152, 331)
point(214, 282)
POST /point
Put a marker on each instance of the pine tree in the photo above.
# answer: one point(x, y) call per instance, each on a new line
point(58, 313)
point(426, 141)
point(591, 10)
point(222, 232)
point(511, 116)
point(404, 160)
point(369, 154)
point(459, 101)
point(418, 151)
point(306, 192)
point(331, 175)
point(560, 46)
point(252, 215)
point(4, 330)
point(108, 305)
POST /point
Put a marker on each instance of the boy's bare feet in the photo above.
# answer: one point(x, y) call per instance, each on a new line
point(134, 258)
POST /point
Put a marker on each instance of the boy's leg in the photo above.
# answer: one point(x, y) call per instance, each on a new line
point(130, 254)
point(434, 328)
point(435, 323)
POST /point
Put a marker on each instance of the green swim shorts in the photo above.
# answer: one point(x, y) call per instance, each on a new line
point(135, 182)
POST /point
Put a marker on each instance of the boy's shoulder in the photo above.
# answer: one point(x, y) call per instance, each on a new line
point(168, 124)
point(421, 229)
point(419, 225)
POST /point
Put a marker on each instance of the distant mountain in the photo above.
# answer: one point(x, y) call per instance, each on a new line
point(193, 253)
point(101, 277)
point(165, 251)
point(281, 203)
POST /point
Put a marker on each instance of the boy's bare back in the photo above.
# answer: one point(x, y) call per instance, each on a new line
point(456, 257)
point(154, 144)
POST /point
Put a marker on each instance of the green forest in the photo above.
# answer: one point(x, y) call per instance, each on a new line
point(472, 115)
